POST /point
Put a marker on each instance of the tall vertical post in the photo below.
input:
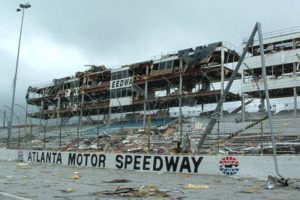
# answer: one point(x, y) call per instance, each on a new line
point(295, 89)
point(60, 129)
point(145, 96)
point(81, 108)
point(26, 134)
point(109, 107)
point(45, 130)
point(4, 117)
point(264, 74)
point(30, 132)
point(222, 79)
point(295, 101)
point(80, 118)
point(109, 116)
point(98, 128)
point(30, 137)
point(243, 107)
point(243, 97)
point(10, 123)
point(180, 100)
point(60, 120)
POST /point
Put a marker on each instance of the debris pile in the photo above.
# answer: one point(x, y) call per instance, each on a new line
point(162, 140)
point(142, 192)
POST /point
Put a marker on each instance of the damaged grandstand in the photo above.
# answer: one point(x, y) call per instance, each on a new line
point(184, 76)
point(163, 105)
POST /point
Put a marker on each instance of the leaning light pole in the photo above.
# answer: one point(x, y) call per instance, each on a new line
point(257, 29)
point(22, 8)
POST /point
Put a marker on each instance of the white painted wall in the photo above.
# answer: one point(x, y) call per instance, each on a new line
point(249, 166)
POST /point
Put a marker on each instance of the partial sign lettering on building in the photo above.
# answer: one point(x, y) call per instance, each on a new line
point(121, 83)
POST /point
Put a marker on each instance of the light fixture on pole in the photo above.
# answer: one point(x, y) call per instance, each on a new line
point(22, 8)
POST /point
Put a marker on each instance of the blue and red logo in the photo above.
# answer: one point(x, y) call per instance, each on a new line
point(229, 165)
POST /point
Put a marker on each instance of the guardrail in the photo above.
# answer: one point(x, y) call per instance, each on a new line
point(276, 33)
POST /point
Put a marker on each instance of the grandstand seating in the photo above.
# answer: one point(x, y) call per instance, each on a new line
point(115, 126)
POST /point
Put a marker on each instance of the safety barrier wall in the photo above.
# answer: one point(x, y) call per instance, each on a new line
point(240, 166)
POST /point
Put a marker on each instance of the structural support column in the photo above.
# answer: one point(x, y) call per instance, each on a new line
point(30, 132)
point(222, 80)
point(109, 115)
point(26, 134)
point(145, 96)
point(243, 97)
point(60, 120)
point(60, 128)
point(295, 101)
point(243, 107)
point(295, 89)
point(80, 118)
point(180, 100)
point(26, 110)
point(45, 130)
point(4, 117)
point(98, 128)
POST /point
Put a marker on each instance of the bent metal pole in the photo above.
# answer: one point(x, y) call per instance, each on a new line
point(213, 120)
point(264, 75)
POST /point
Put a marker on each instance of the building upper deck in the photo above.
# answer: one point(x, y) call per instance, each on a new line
point(285, 39)
point(276, 36)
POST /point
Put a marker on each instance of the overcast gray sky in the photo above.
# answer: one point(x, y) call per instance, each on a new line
point(61, 36)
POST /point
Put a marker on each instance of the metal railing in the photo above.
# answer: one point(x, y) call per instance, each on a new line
point(276, 33)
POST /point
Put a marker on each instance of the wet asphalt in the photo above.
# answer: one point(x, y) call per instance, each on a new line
point(40, 181)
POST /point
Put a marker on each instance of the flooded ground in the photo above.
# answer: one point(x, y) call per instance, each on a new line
point(36, 181)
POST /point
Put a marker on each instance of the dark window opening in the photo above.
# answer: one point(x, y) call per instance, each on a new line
point(119, 75)
point(169, 64)
point(277, 71)
point(113, 76)
point(288, 68)
point(155, 66)
point(129, 92)
point(176, 63)
point(269, 71)
point(125, 74)
point(113, 94)
point(162, 65)
point(124, 93)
